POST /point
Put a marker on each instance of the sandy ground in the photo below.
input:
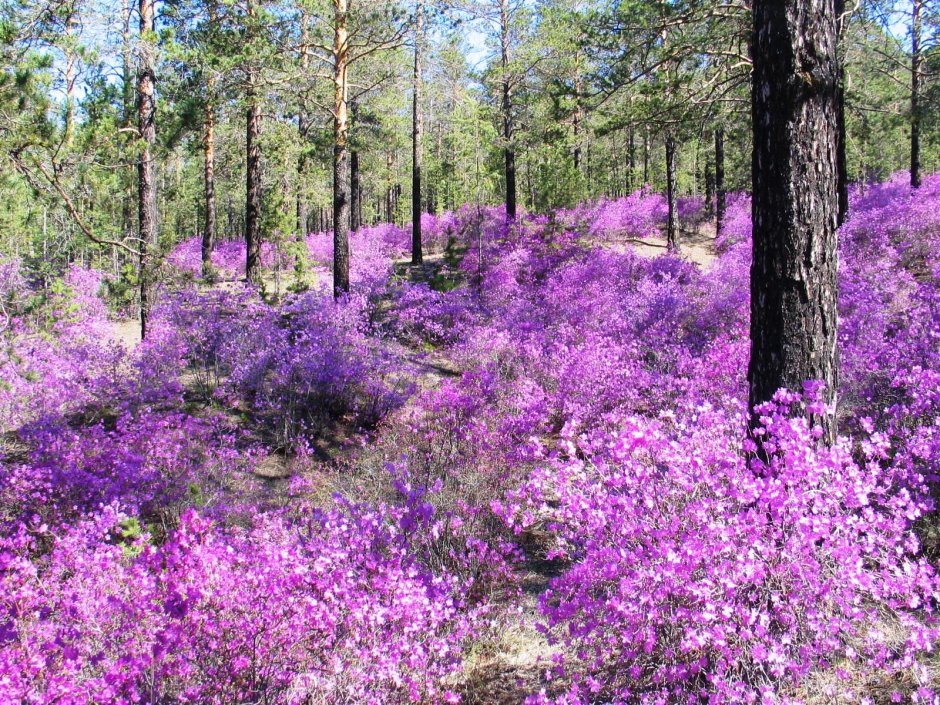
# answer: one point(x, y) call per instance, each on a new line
point(696, 245)
point(126, 332)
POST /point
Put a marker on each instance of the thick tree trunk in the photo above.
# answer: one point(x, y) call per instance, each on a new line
point(340, 151)
point(672, 230)
point(720, 194)
point(416, 245)
point(208, 236)
point(795, 201)
point(146, 171)
point(916, 29)
point(509, 152)
point(253, 193)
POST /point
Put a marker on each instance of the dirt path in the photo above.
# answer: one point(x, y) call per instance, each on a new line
point(695, 245)
point(125, 332)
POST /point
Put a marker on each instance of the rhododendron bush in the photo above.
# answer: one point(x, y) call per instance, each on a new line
point(335, 609)
point(696, 572)
point(537, 399)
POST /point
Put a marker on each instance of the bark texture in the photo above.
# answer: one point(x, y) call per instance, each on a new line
point(416, 244)
point(509, 152)
point(208, 235)
point(146, 171)
point(916, 30)
point(253, 193)
point(672, 230)
point(795, 200)
point(720, 193)
point(340, 149)
point(841, 156)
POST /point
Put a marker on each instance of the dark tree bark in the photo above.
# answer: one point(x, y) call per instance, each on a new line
point(578, 114)
point(709, 187)
point(842, 166)
point(253, 190)
point(720, 194)
point(509, 152)
point(355, 191)
point(340, 150)
point(146, 184)
point(646, 157)
point(303, 128)
point(128, 109)
point(208, 235)
point(795, 200)
point(916, 29)
point(631, 161)
point(303, 209)
point(672, 231)
point(253, 177)
point(416, 254)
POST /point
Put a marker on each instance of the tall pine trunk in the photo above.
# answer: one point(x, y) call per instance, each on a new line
point(794, 100)
point(208, 235)
point(577, 115)
point(720, 193)
point(303, 127)
point(631, 161)
point(672, 230)
point(842, 166)
point(355, 191)
point(340, 150)
point(146, 171)
point(916, 29)
point(509, 152)
point(128, 109)
point(253, 194)
point(416, 245)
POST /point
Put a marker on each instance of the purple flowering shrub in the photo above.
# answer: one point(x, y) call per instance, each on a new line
point(736, 226)
point(295, 367)
point(228, 257)
point(421, 315)
point(57, 357)
point(696, 574)
point(155, 464)
point(335, 609)
point(638, 215)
